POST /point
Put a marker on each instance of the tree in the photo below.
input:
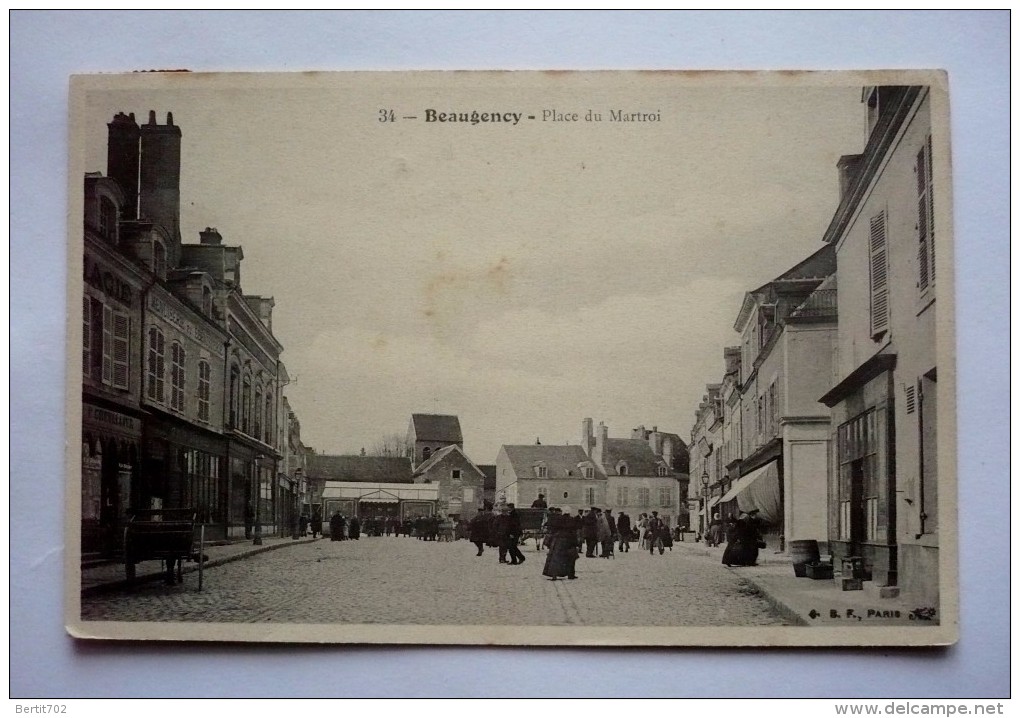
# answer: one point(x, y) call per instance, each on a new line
point(390, 445)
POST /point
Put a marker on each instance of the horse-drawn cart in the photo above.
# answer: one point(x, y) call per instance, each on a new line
point(166, 535)
point(532, 525)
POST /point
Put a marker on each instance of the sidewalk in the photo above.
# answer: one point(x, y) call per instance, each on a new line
point(815, 603)
point(110, 575)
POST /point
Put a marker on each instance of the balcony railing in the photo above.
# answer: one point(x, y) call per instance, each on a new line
point(821, 303)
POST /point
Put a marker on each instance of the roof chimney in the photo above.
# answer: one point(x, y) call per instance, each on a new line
point(210, 235)
point(122, 160)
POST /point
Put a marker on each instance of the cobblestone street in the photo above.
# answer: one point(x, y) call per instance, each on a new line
point(403, 580)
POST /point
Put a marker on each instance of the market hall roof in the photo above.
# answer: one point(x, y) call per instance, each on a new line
point(436, 427)
point(560, 462)
point(374, 469)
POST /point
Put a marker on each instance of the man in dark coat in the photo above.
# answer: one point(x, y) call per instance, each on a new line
point(354, 531)
point(540, 502)
point(514, 532)
point(590, 532)
point(478, 530)
point(623, 528)
point(336, 527)
point(501, 529)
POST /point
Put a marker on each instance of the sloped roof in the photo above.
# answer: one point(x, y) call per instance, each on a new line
point(561, 462)
point(373, 469)
point(441, 454)
point(637, 454)
point(489, 471)
point(436, 427)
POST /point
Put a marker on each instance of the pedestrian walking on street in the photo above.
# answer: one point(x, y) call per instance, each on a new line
point(502, 528)
point(654, 534)
point(336, 527)
point(514, 535)
point(612, 532)
point(642, 527)
point(478, 530)
point(590, 531)
point(714, 535)
point(605, 535)
point(303, 525)
point(562, 559)
point(316, 525)
point(623, 528)
point(742, 549)
point(354, 529)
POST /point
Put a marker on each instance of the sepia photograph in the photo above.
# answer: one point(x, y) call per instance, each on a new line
point(609, 358)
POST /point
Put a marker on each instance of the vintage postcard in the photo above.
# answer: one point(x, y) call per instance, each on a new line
point(534, 358)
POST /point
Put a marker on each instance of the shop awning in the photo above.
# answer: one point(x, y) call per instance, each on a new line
point(758, 490)
point(711, 502)
point(380, 499)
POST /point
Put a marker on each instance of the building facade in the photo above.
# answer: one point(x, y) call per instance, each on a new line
point(883, 480)
point(788, 332)
point(163, 330)
point(460, 483)
point(565, 475)
point(639, 478)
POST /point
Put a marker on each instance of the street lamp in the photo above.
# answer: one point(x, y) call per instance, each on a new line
point(704, 509)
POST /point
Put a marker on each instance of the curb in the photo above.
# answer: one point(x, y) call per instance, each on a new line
point(191, 567)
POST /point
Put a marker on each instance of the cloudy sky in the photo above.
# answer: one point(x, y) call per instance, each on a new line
point(522, 277)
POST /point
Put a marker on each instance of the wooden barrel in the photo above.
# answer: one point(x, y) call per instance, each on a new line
point(803, 553)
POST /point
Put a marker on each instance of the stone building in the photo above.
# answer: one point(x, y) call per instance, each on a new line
point(565, 475)
point(165, 330)
point(428, 433)
point(460, 483)
point(884, 468)
point(640, 477)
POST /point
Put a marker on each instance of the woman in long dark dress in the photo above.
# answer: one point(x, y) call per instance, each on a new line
point(354, 529)
point(742, 548)
point(562, 556)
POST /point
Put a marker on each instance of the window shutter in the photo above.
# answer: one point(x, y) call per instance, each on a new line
point(107, 344)
point(86, 335)
point(921, 173)
point(121, 344)
point(879, 276)
point(931, 216)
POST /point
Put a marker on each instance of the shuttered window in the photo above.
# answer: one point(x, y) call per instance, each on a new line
point(925, 218)
point(157, 357)
point(121, 350)
point(879, 273)
point(177, 377)
point(107, 344)
point(203, 390)
point(86, 335)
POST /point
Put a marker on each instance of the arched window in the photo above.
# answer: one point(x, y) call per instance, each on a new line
point(246, 405)
point(156, 368)
point(108, 219)
point(622, 469)
point(235, 383)
point(662, 471)
point(159, 259)
point(177, 376)
point(257, 413)
point(269, 418)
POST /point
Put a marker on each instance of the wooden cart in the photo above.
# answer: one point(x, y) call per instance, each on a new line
point(167, 535)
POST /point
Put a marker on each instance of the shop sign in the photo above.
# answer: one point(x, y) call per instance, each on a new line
point(100, 417)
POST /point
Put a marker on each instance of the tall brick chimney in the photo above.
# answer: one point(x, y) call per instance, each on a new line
point(587, 439)
point(159, 176)
point(601, 437)
point(122, 160)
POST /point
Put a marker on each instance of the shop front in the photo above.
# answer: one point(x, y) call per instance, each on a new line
point(109, 476)
point(368, 500)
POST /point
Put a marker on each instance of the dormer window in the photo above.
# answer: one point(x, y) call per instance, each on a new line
point(621, 469)
point(589, 472)
point(159, 259)
point(662, 471)
point(108, 219)
point(540, 472)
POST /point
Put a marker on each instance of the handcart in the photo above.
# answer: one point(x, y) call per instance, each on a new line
point(166, 535)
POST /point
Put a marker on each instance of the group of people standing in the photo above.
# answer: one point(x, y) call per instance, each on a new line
point(499, 529)
point(342, 528)
point(742, 536)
